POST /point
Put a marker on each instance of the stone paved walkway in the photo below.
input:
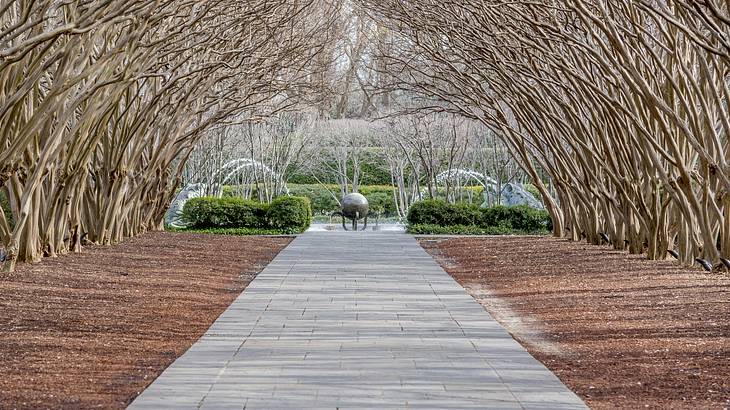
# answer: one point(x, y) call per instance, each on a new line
point(356, 320)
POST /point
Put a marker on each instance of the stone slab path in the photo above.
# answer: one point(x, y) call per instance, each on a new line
point(342, 320)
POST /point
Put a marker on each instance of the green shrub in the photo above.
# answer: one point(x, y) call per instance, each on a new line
point(227, 212)
point(372, 172)
point(465, 214)
point(428, 212)
point(520, 218)
point(286, 214)
point(470, 219)
point(371, 189)
point(498, 215)
point(438, 212)
point(525, 218)
point(228, 191)
point(291, 214)
point(248, 213)
point(548, 221)
point(381, 202)
point(200, 212)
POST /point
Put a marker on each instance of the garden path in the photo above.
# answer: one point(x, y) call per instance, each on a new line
point(356, 320)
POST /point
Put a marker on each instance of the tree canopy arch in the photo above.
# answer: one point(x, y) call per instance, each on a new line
point(624, 104)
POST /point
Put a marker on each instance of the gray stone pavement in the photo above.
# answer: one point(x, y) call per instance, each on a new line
point(356, 320)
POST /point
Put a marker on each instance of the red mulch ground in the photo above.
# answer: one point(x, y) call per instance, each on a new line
point(619, 330)
point(93, 330)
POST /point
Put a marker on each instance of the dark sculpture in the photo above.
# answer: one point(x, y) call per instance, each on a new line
point(354, 207)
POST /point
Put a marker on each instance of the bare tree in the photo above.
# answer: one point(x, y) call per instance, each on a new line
point(622, 103)
point(103, 102)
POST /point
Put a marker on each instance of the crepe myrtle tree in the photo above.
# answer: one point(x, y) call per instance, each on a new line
point(103, 101)
point(622, 103)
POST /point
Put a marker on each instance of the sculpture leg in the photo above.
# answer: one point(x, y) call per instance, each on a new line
point(365, 224)
point(344, 226)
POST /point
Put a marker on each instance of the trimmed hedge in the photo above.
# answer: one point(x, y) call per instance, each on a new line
point(498, 215)
point(525, 218)
point(227, 212)
point(438, 213)
point(381, 202)
point(290, 213)
point(283, 215)
point(380, 197)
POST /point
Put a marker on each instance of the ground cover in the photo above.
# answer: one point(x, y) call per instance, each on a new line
point(93, 330)
point(621, 331)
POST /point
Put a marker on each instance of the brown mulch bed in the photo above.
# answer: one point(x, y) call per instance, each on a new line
point(92, 330)
point(619, 330)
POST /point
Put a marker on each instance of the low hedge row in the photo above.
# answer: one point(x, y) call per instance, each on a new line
point(286, 214)
point(290, 213)
point(431, 213)
point(380, 197)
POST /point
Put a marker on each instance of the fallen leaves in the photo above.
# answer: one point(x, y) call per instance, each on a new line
point(648, 333)
point(94, 329)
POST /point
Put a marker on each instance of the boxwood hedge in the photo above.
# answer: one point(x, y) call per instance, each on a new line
point(429, 214)
point(284, 214)
point(290, 213)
